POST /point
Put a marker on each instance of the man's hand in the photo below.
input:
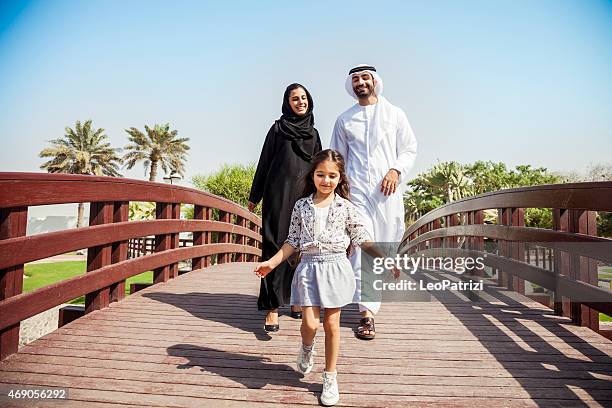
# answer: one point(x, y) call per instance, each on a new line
point(263, 269)
point(395, 272)
point(389, 183)
point(252, 206)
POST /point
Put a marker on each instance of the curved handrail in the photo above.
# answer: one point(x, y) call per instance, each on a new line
point(25, 305)
point(229, 233)
point(458, 229)
point(30, 189)
point(537, 236)
point(592, 196)
point(20, 250)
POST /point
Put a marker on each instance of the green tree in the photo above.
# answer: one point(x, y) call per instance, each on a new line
point(487, 176)
point(525, 175)
point(604, 224)
point(444, 183)
point(231, 181)
point(418, 204)
point(158, 147)
point(450, 181)
point(82, 150)
point(538, 217)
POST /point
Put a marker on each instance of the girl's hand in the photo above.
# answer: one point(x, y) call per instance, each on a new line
point(263, 269)
point(252, 206)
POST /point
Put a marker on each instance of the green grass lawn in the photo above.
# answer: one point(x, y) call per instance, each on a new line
point(43, 274)
point(606, 273)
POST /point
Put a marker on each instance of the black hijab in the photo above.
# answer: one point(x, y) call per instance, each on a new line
point(297, 128)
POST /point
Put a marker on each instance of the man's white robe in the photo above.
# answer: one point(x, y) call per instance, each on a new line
point(374, 139)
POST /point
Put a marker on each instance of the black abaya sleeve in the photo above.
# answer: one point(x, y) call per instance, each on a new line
point(318, 146)
point(263, 166)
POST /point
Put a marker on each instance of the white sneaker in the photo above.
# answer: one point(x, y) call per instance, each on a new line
point(305, 359)
point(330, 395)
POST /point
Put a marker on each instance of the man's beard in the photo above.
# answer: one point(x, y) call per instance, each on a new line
point(363, 92)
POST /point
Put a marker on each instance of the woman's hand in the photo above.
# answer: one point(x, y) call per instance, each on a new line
point(252, 206)
point(263, 269)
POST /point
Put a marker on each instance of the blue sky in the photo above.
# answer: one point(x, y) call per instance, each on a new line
point(512, 81)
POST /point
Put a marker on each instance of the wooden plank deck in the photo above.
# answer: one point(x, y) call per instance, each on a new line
point(198, 341)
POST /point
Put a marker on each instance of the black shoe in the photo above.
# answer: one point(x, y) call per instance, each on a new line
point(296, 315)
point(271, 327)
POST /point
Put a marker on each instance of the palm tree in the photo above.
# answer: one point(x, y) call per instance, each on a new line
point(82, 150)
point(159, 147)
point(446, 180)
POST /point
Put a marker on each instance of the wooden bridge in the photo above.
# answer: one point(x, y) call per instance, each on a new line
point(197, 339)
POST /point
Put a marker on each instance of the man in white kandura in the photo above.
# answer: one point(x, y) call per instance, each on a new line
point(379, 148)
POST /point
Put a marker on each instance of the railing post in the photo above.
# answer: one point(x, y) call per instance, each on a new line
point(120, 249)
point(517, 219)
point(174, 239)
point(99, 256)
point(450, 221)
point(198, 236)
point(436, 225)
point(422, 230)
point(583, 269)
point(13, 224)
point(163, 242)
point(503, 218)
point(258, 244)
point(468, 220)
point(561, 261)
point(478, 241)
point(224, 237)
point(242, 240)
point(252, 242)
point(207, 236)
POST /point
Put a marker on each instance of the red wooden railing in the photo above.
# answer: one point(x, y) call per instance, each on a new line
point(237, 239)
point(562, 260)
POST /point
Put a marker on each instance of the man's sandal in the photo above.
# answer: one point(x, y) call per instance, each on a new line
point(366, 324)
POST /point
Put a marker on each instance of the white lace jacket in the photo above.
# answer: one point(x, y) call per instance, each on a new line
point(344, 226)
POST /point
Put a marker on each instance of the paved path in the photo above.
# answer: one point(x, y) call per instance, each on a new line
point(197, 341)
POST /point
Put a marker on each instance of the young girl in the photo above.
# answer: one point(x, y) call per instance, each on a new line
point(323, 224)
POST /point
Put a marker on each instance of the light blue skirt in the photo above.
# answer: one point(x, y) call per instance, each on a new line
point(325, 280)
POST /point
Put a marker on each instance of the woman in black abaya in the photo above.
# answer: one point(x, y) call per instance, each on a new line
point(289, 146)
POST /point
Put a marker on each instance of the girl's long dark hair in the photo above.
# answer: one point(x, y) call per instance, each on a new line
point(342, 189)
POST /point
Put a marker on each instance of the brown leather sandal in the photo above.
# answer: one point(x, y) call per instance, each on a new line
point(366, 324)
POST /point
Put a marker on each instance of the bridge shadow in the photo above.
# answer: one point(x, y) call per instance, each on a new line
point(518, 339)
point(253, 372)
point(542, 370)
point(239, 310)
point(232, 309)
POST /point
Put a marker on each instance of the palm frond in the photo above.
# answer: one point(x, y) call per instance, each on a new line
point(82, 150)
point(157, 144)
